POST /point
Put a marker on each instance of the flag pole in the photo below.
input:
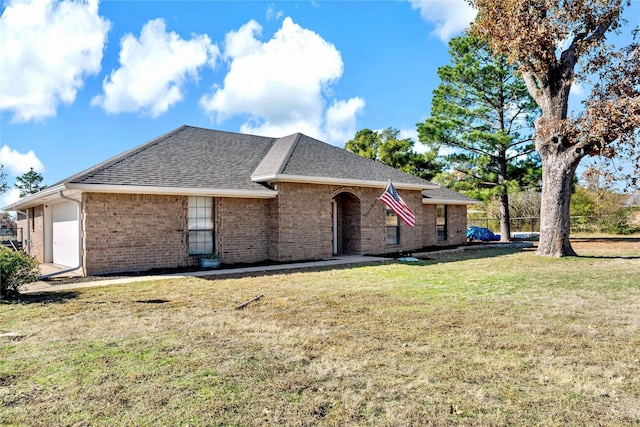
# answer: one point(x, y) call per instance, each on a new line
point(377, 198)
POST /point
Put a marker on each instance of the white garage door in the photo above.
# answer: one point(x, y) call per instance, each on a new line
point(64, 217)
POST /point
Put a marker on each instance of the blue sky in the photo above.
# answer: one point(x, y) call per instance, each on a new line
point(84, 81)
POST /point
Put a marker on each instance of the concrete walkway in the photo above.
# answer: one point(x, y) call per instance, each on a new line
point(37, 287)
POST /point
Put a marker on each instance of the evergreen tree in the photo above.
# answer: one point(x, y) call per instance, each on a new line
point(3, 180)
point(29, 183)
point(483, 112)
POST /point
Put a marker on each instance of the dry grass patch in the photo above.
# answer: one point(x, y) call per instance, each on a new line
point(485, 338)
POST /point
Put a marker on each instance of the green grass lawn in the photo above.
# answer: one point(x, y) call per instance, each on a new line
point(483, 338)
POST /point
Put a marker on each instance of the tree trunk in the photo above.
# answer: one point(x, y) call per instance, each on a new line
point(558, 169)
point(505, 217)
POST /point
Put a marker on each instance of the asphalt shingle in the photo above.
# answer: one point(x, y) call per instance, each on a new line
point(188, 157)
point(191, 157)
point(319, 159)
point(443, 193)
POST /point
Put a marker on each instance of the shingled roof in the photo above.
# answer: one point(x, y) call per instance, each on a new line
point(299, 157)
point(191, 157)
point(191, 160)
point(442, 195)
point(187, 157)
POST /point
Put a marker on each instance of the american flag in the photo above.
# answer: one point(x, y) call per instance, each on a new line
point(392, 199)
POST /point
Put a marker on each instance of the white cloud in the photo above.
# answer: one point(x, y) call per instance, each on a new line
point(48, 48)
point(282, 84)
point(578, 90)
point(341, 119)
point(243, 42)
point(408, 133)
point(418, 147)
point(11, 196)
point(18, 163)
point(272, 13)
point(153, 70)
point(449, 16)
point(413, 135)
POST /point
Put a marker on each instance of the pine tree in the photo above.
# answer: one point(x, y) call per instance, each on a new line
point(29, 183)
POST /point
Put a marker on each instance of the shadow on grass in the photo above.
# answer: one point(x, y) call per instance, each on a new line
point(152, 301)
point(607, 240)
point(607, 257)
point(466, 255)
point(620, 239)
point(44, 298)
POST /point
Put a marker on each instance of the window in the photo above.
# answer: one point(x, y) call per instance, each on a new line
point(200, 225)
point(441, 222)
point(393, 228)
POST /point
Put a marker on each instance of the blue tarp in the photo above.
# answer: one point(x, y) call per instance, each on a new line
point(481, 233)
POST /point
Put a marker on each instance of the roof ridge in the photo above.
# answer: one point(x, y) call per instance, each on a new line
point(287, 155)
point(122, 156)
point(276, 159)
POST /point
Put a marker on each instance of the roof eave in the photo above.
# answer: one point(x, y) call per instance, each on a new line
point(185, 191)
point(35, 199)
point(302, 179)
point(429, 201)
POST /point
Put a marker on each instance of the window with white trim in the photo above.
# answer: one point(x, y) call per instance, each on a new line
point(393, 228)
point(200, 225)
point(441, 222)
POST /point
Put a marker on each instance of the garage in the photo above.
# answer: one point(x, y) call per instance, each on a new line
point(66, 236)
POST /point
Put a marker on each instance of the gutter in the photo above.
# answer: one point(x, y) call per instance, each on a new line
point(430, 201)
point(33, 199)
point(183, 191)
point(303, 179)
point(80, 243)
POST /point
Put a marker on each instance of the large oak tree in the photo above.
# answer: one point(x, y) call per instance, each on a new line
point(556, 43)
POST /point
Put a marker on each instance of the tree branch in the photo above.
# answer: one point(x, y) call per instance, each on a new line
point(524, 153)
point(480, 180)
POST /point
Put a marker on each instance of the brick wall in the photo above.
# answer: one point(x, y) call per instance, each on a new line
point(429, 233)
point(304, 223)
point(457, 224)
point(139, 232)
point(411, 238)
point(21, 221)
point(34, 229)
point(243, 229)
point(373, 237)
point(129, 232)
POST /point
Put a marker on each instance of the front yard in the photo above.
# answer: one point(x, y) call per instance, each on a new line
point(483, 338)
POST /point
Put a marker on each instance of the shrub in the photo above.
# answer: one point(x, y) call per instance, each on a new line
point(16, 269)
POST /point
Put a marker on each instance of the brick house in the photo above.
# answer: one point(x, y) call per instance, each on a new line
point(194, 191)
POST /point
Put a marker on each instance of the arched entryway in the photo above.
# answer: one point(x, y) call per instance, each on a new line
point(345, 209)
